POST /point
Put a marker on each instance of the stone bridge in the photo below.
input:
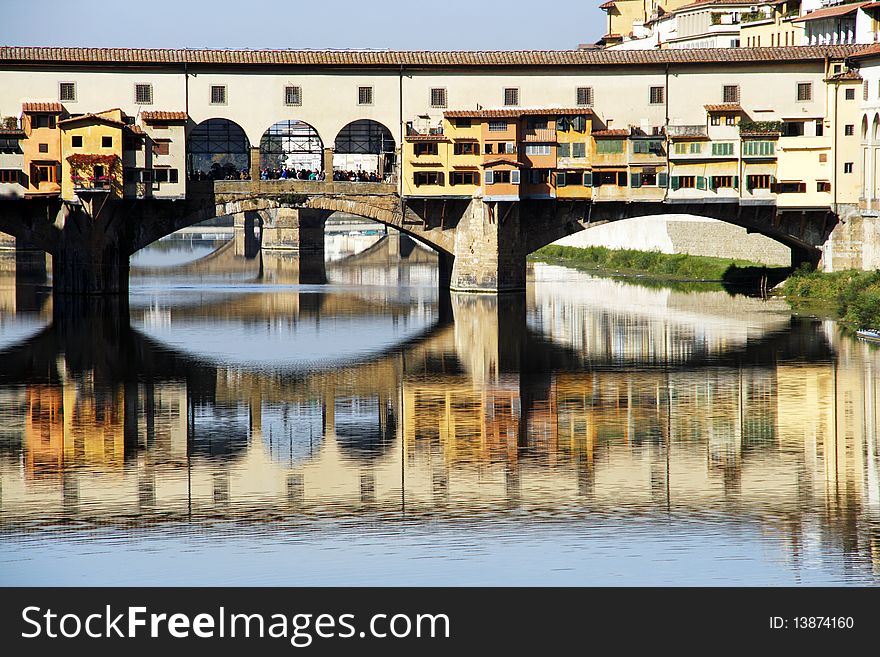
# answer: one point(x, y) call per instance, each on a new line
point(482, 245)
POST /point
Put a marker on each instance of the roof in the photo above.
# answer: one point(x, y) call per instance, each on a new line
point(725, 107)
point(513, 163)
point(621, 132)
point(607, 5)
point(391, 58)
point(847, 75)
point(93, 117)
point(164, 116)
point(515, 112)
point(829, 12)
point(12, 132)
point(426, 138)
point(52, 108)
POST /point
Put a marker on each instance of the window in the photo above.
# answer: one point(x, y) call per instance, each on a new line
point(609, 146)
point(106, 142)
point(730, 119)
point(537, 149)
point(723, 148)
point(539, 176)
point(731, 93)
point(648, 146)
point(499, 177)
point(696, 148)
point(684, 182)
point(465, 148)
point(579, 149)
point(823, 186)
point(462, 123)
point(823, 157)
point(760, 181)
point(718, 182)
point(44, 148)
point(865, 89)
point(218, 94)
point(511, 96)
point(820, 128)
point(464, 178)
point(805, 91)
point(10, 146)
point(292, 95)
point(427, 178)
point(647, 179)
point(715, 119)
point(680, 148)
point(67, 91)
point(657, 95)
point(161, 147)
point(438, 97)
point(46, 173)
point(9, 176)
point(836, 68)
point(508, 147)
point(792, 128)
point(43, 121)
point(609, 178)
point(564, 150)
point(487, 149)
point(143, 94)
point(76, 141)
point(758, 148)
point(561, 179)
point(536, 123)
point(165, 175)
point(847, 167)
point(791, 188)
point(497, 126)
point(849, 94)
point(849, 130)
point(585, 96)
point(425, 148)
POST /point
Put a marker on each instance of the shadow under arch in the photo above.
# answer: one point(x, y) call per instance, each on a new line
point(217, 149)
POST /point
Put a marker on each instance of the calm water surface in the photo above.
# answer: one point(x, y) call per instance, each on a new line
point(261, 419)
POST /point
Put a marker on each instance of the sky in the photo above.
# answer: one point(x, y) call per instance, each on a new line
point(392, 24)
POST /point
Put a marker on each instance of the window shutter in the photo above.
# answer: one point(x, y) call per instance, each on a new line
point(514, 177)
point(561, 124)
point(773, 184)
point(560, 179)
point(736, 182)
point(563, 150)
point(621, 178)
point(635, 180)
point(676, 183)
point(701, 182)
point(588, 179)
point(662, 180)
point(489, 176)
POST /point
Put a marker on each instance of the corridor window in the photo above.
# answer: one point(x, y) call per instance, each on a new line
point(823, 186)
point(731, 93)
point(758, 148)
point(425, 148)
point(9, 176)
point(656, 96)
point(539, 176)
point(43, 121)
point(365, 95)
point(759, 181)
point(849, 130)
point(438, 97)
point(292, 95)
point(585, 96)
point(502, 177)
point(850, 94)
point(143, 94)
point(76, 141)
point(465, 148)
point(537, 149)
point(464, 178)
point(67, 91)
point(106, 142)
point(497, 126)
point(847, 167)
point(218, 94)
point(46, 173)
point(723, 148)
point(427, 178)
point(805, 91)
point(511, 96)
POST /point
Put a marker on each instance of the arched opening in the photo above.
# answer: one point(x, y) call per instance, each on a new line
point(864, 128)
point(289, 148)
point(218, 149)
point(875, 129)
point(364, 147)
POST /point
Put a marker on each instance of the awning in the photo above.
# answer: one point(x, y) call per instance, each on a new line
point(830, 12)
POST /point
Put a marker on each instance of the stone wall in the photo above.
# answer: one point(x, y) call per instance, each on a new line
point(854, 243)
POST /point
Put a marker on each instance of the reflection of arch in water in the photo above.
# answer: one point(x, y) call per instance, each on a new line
point(364, 427)
point(364, 144)
point(291, 144)
point(292, 431)
point(217, 148)
point(222, 431)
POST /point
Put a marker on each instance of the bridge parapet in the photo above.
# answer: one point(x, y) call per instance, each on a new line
point(224, 191)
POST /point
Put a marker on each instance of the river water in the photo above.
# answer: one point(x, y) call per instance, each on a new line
point(263, 420)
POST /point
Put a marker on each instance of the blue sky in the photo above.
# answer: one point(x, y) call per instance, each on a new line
point(395, 24)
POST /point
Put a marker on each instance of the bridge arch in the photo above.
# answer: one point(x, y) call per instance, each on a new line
point(367, 145)
point(217, 149)
point(291, 144)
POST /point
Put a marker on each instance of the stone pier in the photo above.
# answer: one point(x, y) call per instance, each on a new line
point(294, 229)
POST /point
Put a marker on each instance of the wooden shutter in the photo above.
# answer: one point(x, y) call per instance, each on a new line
point(635, 180)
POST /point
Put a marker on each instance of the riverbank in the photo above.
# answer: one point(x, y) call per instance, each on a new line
point(853, 296)
point(662, 266)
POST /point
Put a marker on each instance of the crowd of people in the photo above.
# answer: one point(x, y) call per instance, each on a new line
point(358, 176)
point(229, 172)
point(216, 172)
point(291, 174)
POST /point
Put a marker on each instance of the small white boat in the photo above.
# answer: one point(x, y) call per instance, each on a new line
point(868, 334)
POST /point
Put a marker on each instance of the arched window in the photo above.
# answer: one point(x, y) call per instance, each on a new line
point(218, 149)
point(364, 145)
point(291, 145)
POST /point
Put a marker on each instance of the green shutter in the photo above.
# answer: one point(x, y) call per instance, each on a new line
point(676, 183)
point(562, 150)
point(588, 179)
point(662, 180)
point(736, 182)
point(560, 178)
point(635, 180)
point(701, 182)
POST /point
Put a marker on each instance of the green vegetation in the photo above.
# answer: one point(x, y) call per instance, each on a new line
point(855, 295)
point(661, 265)
point(760, 126)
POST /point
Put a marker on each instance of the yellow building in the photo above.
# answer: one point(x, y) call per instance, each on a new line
point(42, 147)
point(624, 15)
point(91, 149)
point(771, 24)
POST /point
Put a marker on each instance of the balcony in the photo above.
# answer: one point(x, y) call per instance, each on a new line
point(541, 135)
point(102, 185)
point(687, 131)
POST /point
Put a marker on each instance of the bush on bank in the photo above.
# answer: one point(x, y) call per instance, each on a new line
point(855, 293)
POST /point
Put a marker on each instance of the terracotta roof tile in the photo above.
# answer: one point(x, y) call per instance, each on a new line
point(829, 12)
point(390, 58)
point(725, 107)
point(52, 108)
point(619, 132)
point(163, 116)
point(847, 75)
point(93, 117)
point(607, 5)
